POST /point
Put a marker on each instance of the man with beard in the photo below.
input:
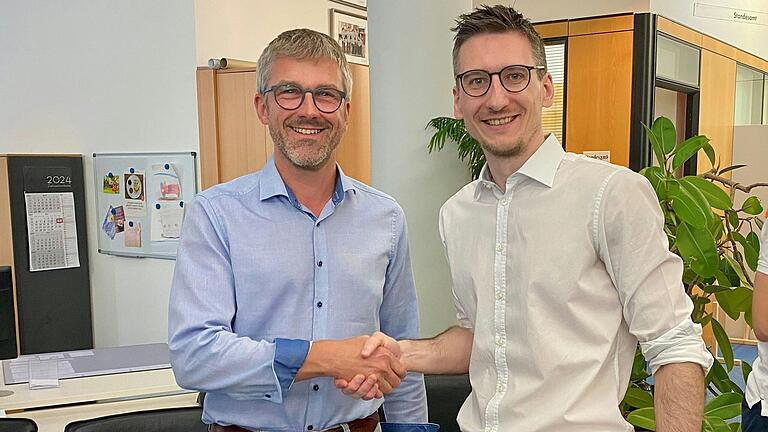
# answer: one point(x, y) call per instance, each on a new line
point(279, 270)
point(560, 264)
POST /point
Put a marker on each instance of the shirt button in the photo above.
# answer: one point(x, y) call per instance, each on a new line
point(267, 395)
point(499, 296)
point(319, 304)
point(315, 387)
point(504, 202)
point(500, 387)
point(499, 341)
point(499, 247)
point(310, 427)
point(319, 263)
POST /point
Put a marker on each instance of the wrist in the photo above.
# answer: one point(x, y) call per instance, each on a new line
point(318, 362)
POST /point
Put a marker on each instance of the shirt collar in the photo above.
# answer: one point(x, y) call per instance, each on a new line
point(271, 184)
point(541, 166)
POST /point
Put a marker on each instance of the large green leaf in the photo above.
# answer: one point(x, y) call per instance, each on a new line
point(656, 145)
point(733, 218)
point(736, 268)
point(637, 397)
point(697, 246)
point(714, 424)
point(654, 175)
point(726, 406)
point(665, 131)
point(716, 197)
point(710, 152)
point(644, 418)
point(719, 377)
point(746, 369)
point(723, 343)
point(754, 240)
point(735, 301)
point(690, 204)
point(752, 206)
point(731, 168)
point(687, 149)
point(750, 254)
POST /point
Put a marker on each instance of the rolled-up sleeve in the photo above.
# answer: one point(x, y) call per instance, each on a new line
point(632, 243)
point(399, 314)
point(206, 355)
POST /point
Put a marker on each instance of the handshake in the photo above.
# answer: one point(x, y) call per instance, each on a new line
point(365, 367)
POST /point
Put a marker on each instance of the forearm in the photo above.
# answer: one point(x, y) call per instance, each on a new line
point(679, 397)
point(447, 353)
point(760, 306)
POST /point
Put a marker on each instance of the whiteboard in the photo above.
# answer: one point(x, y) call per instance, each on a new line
point(140, 201)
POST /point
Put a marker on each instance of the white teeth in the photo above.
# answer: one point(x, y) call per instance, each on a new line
point(307, 131)
point(498, 122)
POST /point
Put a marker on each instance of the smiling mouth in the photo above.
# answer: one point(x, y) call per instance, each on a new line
point(305, 131)
point(500, 121)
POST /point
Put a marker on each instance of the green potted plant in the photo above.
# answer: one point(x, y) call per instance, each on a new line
point(718, 243)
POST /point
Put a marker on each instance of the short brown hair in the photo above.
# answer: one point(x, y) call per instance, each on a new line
point(497, 19)
point(302, 44)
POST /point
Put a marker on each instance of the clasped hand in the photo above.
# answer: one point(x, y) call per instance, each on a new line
point(368, 384)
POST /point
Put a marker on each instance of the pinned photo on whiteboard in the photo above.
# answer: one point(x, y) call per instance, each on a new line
point(111, 184)
point(134, 186)
point(166, 220)
point(166, 178)
point(133, 234)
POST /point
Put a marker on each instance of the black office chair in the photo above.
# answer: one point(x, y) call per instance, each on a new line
point(17, 425)
point(445, 395)
point(162, 420)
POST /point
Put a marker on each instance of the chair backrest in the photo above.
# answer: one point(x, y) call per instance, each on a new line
point(162, 420)
point(17, 425)
point(445, 395)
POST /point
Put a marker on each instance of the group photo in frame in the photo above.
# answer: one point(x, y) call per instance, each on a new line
point(351, 32)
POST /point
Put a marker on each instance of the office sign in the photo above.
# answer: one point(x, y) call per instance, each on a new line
point(730, 14)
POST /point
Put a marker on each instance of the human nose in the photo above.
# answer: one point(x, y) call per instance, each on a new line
point(307, 107)
point(498, 96)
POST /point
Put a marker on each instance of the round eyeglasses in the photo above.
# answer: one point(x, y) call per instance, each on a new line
point(514, 79)
point(290, 97)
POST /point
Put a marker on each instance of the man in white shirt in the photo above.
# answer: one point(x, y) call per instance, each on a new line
point(560, 264)
point(754, 416)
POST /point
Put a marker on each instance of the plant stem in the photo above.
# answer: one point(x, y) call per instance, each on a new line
point(732, 184)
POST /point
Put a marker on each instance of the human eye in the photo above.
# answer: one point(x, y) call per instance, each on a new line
point(476, 79)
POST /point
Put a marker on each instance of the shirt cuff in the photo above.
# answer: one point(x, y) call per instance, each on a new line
point(289, 357)
point(682, 344)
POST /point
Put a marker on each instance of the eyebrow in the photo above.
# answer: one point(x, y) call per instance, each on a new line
point(295, 84)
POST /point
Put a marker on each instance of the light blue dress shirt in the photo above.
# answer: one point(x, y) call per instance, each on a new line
point(258, 276)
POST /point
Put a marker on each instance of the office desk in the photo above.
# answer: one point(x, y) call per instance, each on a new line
point(94, 397)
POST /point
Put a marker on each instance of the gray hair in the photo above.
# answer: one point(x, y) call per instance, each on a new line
point(302, 44)
point(497, 19)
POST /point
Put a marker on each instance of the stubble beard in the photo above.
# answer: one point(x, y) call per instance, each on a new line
point(314, 156)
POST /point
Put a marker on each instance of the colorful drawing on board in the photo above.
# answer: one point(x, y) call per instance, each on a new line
point(111, 184)
point(166, 177)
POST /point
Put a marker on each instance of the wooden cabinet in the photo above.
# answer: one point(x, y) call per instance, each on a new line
point(233, 142)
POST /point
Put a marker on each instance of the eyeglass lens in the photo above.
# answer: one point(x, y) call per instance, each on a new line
point(513, 78)
point(326, 100)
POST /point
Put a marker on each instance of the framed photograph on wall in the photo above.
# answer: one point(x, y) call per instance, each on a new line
point(351, 32)
point(360, 4)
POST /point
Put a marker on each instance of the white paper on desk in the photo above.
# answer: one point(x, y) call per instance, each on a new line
point(50, 356)
point(83, 353)
point(20, 369)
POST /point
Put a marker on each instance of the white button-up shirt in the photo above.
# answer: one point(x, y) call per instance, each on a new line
point(558, 278)
point(757, 383)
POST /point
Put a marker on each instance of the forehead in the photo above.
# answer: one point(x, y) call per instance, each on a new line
point(493, 51)
point(307, 72)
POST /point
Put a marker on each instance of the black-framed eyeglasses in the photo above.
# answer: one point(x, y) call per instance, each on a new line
point(290, 97)
point(514, 79)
